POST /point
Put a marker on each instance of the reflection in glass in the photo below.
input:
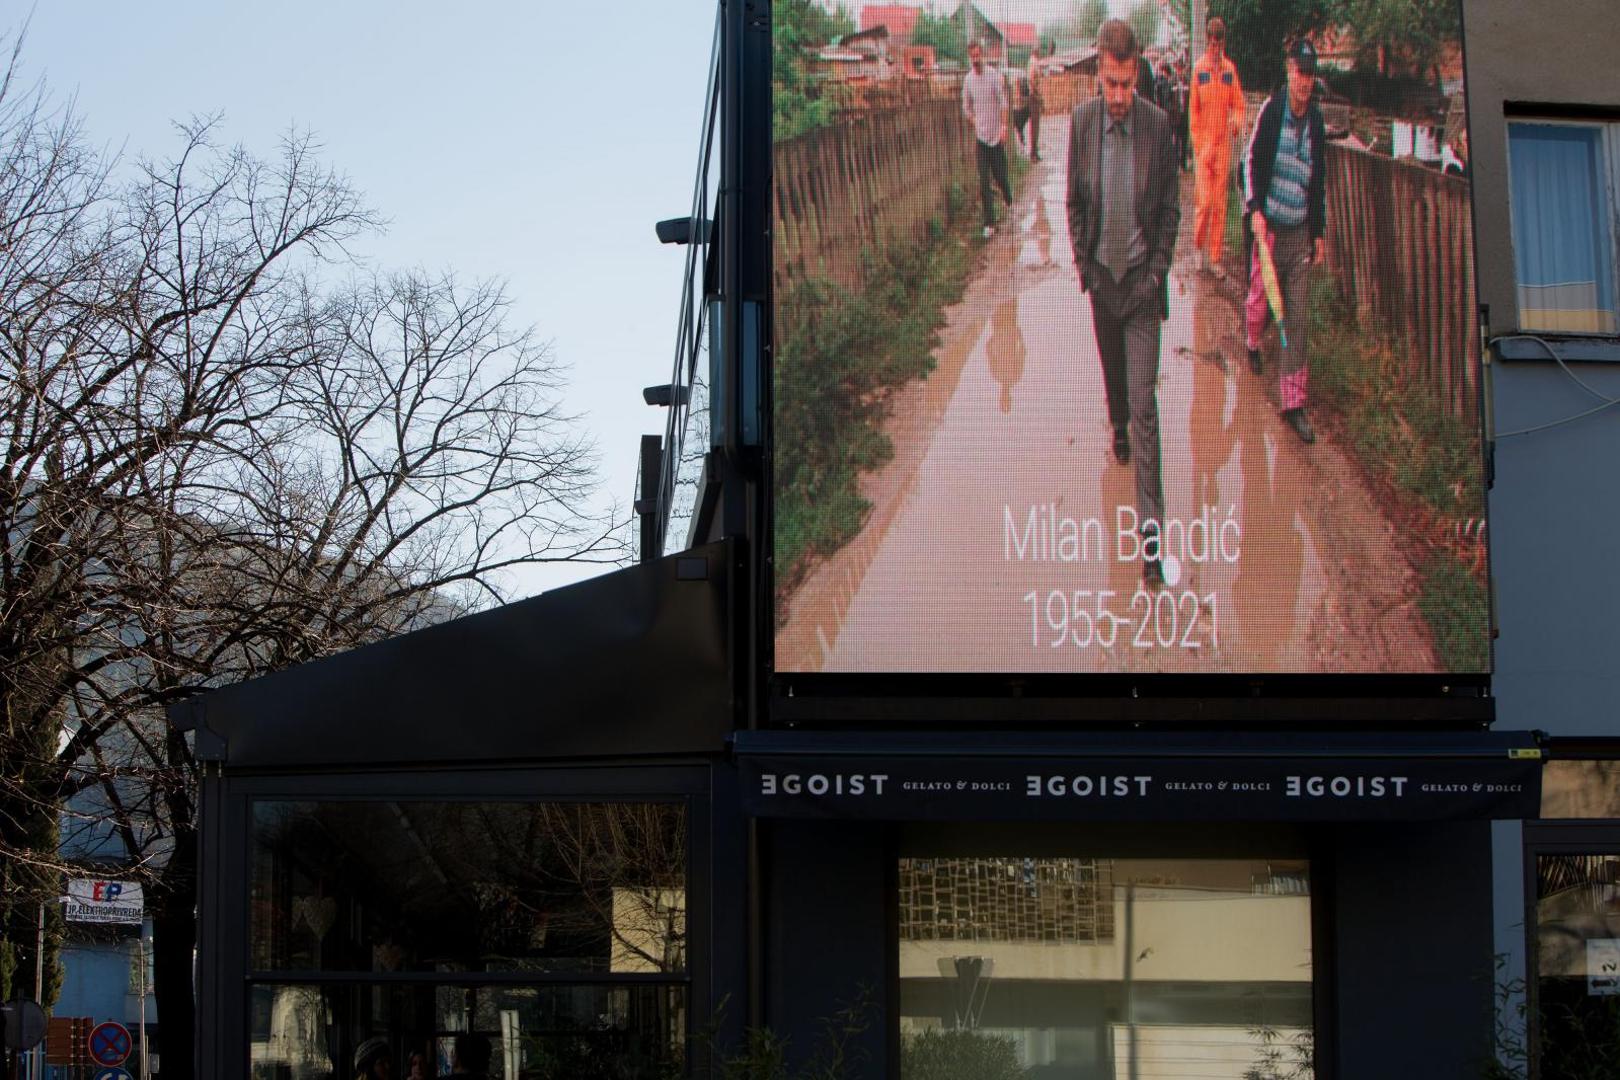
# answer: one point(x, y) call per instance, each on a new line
point(1578, 962)
point(1573, 788)
point(442, 886)
point(303, 1032)
point(1110, 969)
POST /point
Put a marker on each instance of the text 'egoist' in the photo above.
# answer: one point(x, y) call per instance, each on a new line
point(1345, 787)
point(1100, 787)
point(822, 783)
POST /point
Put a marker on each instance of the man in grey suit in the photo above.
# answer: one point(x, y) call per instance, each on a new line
point(1124, 209)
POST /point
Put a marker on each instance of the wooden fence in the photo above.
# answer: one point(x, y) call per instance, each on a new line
point(1400, 239)
point(1399, 235)
point(843, 190)
point(1061, 93)
point(869, 95)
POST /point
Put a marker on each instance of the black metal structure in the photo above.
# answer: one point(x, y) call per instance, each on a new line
point(610, 690)
point(1416, 701)
point(637, 658)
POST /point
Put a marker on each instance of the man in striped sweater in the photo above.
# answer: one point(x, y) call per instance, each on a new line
point(1284, 184)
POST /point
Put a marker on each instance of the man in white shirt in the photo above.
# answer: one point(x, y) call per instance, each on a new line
point(984, 101)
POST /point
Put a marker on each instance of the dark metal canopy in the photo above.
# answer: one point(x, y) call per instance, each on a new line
point(630, 663)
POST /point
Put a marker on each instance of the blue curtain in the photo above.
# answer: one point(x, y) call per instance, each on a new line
point(1559, 236)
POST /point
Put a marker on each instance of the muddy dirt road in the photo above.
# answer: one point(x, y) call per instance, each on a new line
point(995, 539)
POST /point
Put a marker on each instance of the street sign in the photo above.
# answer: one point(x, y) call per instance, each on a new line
point(110, 1043)
point(24, 1023)
point(67, 1041)
point(114, 1073)
point(100, 901)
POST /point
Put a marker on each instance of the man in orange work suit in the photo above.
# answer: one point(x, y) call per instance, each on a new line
point(1216, 111)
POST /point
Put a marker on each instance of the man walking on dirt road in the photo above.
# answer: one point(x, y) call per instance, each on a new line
point(1285, 185)
point(984, 100)
point(1215, 116)
point(1123, 211)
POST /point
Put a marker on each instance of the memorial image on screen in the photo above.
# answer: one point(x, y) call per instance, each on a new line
point(1107, 343)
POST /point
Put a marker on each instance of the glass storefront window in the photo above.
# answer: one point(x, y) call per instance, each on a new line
point(1104, 969)
point(549, 935)
point(401, 886)
point(1578, 963)
point(303, 1031)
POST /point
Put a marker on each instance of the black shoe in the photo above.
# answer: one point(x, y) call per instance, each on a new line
point(1152, 574)
point(1301, 424)
point(1122, 446)
point(1256, 365)
point(1153, 565)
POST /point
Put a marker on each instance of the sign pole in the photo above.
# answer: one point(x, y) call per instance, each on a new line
point(36, 1056)
point(145, 1072)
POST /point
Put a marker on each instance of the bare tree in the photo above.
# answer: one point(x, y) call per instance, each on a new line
point(214, 464)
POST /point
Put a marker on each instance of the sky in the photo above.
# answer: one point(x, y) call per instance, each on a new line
point(531, 142)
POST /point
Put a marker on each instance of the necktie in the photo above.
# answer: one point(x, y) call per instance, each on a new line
point(1114, 247)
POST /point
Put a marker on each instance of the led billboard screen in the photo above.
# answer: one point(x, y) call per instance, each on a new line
point(1104, 343)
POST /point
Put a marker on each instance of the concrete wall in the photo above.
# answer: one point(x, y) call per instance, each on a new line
point(97, 982)
point(1555, 551)
point(1555, 507)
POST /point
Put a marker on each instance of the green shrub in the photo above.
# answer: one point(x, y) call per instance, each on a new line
point(1397, 431)
point(835, 1053)
point(1454, 604)
point(1405, 441)
point(840, 355)
point(959, 1055)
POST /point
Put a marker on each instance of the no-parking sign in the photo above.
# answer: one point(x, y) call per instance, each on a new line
point(109, 1043)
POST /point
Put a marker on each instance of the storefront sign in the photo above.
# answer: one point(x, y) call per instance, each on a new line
point(94, 900)
point(921, 787)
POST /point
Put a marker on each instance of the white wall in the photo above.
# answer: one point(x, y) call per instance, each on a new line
point(1185, 935)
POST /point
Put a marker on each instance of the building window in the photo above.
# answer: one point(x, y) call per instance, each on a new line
point(1577, 985)
point(1561, 178)
point(1022, 965)
point(550, 934)
point(1572, 859)
point(583, 1031)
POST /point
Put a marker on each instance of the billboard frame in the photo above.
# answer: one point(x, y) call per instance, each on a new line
point(1363, 700)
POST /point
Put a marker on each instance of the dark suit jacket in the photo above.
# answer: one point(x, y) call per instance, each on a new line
point(1157, 183)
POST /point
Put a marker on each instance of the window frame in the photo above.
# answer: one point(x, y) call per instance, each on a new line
point(686, 785)
point(1560, 836)
point(1133, 840)
point(1608, 130)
